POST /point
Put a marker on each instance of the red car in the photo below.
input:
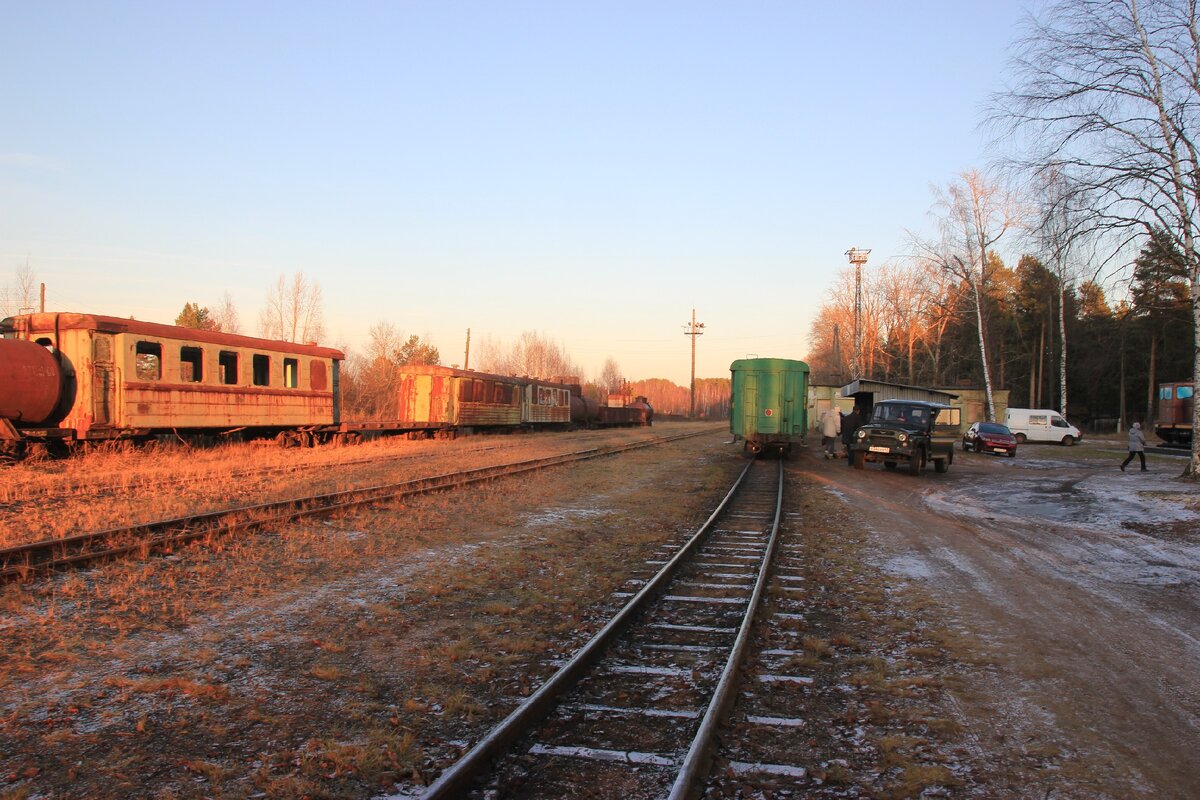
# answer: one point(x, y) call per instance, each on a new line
point(990, 437)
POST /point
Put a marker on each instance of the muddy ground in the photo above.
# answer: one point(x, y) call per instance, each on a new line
point(1013, 628)
point(1075, 591)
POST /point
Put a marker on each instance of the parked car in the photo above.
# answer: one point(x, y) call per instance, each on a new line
point(1041, 425)
point(990, 437)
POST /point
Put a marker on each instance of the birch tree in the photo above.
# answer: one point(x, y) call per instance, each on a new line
point(972, 214)
point(1107, 93)
point(293, 312)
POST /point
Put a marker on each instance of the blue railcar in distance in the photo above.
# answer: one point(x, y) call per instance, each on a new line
point(768, 406)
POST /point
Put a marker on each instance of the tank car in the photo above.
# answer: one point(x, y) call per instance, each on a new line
point(768, 406)
point(72, 378)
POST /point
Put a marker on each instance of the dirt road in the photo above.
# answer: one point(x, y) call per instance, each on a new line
point(1075, 588)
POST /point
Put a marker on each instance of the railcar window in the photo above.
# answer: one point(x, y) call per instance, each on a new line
point(316, 375)
point(148, 361)
point(516, 401)
point(464, 391)
point(479, 395)
point(497, 393)
point(262, 369)
point(1184, 392)
point(191, 364)
point(291, 373)
point(227, 360)
point(1164, 392)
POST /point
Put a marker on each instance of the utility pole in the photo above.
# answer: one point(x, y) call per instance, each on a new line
point(467, 355)
point(857, 257)
point(693, 330)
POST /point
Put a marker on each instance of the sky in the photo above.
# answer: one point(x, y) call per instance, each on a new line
point(591, 171)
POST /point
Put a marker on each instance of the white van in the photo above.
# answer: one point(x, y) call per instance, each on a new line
point(1041, 425)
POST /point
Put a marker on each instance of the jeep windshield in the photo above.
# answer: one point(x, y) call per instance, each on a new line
point(901, 414)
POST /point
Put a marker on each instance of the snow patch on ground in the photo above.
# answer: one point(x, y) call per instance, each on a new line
point(1085, 520)
point(563, 516)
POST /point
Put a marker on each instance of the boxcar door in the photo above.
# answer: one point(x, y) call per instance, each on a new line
point(421, 398)
point(787, 421)
point(750, 409)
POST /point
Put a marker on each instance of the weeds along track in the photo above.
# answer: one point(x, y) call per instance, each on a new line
point(119, 485)
point(37, 558)
point(633, 713)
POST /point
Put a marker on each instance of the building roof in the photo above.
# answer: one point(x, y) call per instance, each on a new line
point(896, 391)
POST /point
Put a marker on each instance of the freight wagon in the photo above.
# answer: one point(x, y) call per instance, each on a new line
point(768, 405)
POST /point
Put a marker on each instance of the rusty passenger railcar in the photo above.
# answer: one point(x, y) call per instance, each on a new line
point(122, 378)
point(546, 403)
point(434, 398)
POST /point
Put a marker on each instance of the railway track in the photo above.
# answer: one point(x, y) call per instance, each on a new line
point(37, 558)
point(634, 712)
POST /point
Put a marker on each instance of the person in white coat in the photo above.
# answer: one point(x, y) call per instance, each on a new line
point(831, 431)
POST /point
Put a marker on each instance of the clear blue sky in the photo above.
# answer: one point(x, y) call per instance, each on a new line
point(590, 171)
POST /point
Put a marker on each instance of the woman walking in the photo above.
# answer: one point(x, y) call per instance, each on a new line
point(1137, 446)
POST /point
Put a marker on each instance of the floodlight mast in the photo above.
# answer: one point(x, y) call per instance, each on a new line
point(858, 257)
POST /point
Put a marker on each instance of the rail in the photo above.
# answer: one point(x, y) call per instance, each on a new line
point(636, 615)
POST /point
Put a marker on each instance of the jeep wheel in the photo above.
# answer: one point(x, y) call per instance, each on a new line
point(940, 465)
point(916, 462)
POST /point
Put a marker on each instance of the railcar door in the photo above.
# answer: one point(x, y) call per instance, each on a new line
point(750, 409)
point(337, 395)
point(103, 384)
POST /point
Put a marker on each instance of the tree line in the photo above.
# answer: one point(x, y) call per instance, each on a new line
point(920, 325)
point(1097, 180)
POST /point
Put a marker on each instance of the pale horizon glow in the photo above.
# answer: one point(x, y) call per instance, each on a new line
point(592, 172)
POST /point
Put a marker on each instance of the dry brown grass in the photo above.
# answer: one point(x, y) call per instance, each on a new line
point(329, 657)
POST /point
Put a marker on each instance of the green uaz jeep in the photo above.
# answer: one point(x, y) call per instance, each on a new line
point(912, 431)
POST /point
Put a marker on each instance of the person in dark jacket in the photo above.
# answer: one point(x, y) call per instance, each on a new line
point(850, 424)
point(1137, 446)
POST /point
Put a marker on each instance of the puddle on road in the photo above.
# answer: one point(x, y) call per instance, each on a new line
point(1078, 498)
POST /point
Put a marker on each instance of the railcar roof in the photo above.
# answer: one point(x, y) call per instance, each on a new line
point(774, 363)
point(437, 369)
point(66, 321)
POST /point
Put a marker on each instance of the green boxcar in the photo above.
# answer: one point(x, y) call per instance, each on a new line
point(768, 409)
